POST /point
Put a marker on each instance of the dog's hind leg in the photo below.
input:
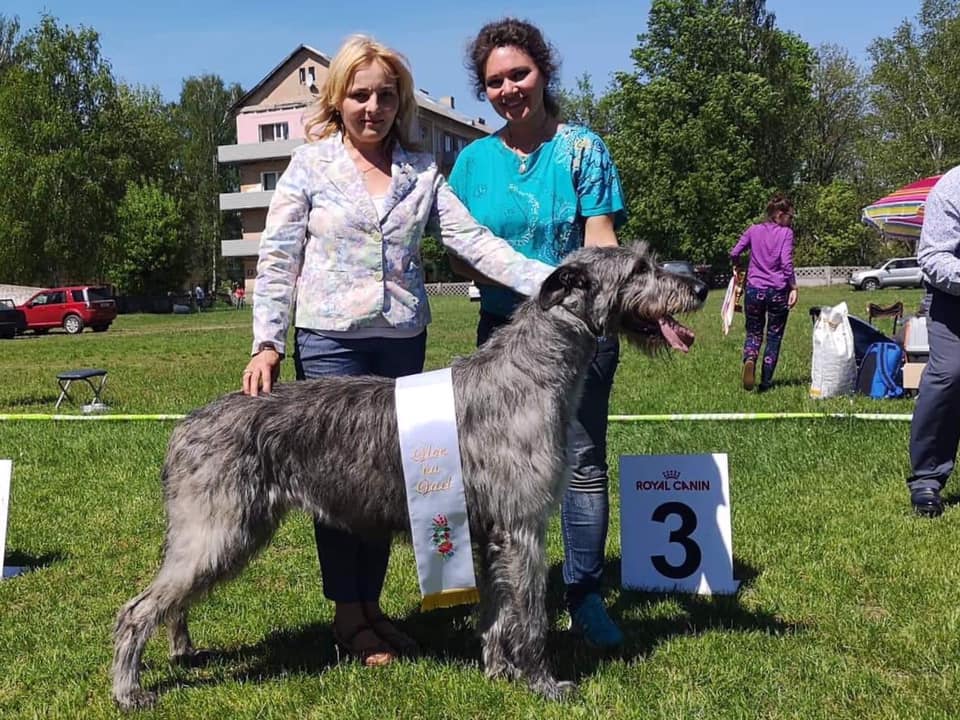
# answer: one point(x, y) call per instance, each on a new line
point(203, 548)
point(181, 647)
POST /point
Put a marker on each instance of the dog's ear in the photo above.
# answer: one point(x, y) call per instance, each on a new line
point(561, 282)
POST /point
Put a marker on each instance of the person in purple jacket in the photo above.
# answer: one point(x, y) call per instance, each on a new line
point(771, 289)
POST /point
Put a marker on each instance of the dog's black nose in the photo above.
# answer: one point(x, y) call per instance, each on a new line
point(700, 289)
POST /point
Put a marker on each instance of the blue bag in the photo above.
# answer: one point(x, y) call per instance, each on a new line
point(881, 371)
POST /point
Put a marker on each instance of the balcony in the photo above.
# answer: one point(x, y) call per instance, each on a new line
point(252, 152)
point(239, 248)
point(245, 200)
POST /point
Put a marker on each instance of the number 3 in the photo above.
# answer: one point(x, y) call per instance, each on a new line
point(681, 536)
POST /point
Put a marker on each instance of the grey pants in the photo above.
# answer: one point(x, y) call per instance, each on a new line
point(935, 430)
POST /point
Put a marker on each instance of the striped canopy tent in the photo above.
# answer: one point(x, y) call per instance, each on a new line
point(899, 215)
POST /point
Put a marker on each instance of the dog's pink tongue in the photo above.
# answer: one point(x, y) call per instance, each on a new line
point(679, 337)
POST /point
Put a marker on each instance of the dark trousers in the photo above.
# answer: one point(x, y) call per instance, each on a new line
point(935, 430)
point(765, 306)
point(353, 568)
point(585, 509)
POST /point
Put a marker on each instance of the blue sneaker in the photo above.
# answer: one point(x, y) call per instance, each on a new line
point(591, 621)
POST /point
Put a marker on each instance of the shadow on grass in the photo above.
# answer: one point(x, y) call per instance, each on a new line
point(32, 562)
point(573, 660)
point(448, 636)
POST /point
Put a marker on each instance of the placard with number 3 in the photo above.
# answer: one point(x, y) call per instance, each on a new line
point(675, 523)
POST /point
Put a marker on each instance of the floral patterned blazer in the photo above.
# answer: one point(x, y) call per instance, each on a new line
point(346, 266)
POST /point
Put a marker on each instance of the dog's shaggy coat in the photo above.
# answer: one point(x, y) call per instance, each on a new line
point(329, 447)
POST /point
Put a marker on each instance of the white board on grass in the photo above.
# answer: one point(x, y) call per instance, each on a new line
point(675, 524)
point(6, 471)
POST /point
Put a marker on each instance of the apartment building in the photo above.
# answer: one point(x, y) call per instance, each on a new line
point(270, 125)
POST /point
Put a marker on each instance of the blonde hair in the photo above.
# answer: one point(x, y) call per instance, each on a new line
point(324, 120)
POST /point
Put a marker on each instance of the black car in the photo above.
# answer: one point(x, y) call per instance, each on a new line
point(704, 273)
point(9, 318)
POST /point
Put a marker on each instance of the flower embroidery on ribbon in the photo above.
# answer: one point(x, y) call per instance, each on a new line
point(440, 536)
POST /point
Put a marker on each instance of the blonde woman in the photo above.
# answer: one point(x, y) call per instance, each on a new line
point(342, 244)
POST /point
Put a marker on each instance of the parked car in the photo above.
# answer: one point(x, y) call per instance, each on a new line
point(473, 292)
point(71, 308)
point(895, 272)
point(9, 318)
point(703, 273)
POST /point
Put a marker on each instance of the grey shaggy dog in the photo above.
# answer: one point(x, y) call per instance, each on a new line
point(329, 447)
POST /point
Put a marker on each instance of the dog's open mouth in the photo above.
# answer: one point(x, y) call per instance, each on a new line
point(675, 334)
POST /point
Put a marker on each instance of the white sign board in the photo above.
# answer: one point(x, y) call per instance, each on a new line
point(675, 523)
point(6, 470)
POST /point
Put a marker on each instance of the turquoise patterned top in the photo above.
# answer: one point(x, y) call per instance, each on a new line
point(537, 203)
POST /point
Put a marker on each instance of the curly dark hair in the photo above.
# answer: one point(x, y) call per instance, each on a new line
point(510, 32)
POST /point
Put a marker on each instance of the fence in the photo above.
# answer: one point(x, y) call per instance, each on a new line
point(826, 275)
point(806, 277)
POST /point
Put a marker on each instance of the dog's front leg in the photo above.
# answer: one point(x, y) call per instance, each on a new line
point(495, 604)
point(525, 562)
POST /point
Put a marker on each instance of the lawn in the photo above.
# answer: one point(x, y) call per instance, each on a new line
point(847, 607)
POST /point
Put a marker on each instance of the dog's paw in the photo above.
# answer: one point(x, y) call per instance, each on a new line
point(192, 658)
point(136, 700)
point(554, 690)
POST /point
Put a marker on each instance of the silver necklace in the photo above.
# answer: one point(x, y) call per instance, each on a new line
point(524, 156)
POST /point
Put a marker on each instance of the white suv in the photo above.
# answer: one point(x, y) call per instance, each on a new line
point(895, 272)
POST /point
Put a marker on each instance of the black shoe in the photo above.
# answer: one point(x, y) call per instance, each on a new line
point(926, 502)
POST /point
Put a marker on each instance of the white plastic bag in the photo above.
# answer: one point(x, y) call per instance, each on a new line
point(834, 366)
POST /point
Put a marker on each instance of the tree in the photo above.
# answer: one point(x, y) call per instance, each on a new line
point(9, 37)
point(147, 255)
point(915, 118)
point(828, 228)
point(708, 124)
point(835, 126)
point(55, 183)
point(204, 122)
point(581, 106)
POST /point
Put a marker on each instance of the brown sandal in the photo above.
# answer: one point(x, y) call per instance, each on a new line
point(376, 654)
point(394, 637)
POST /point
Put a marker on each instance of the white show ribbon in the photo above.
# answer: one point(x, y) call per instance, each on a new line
point(430, 450)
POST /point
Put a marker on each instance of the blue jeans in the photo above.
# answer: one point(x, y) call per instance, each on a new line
point(935, 431)
point(354, 568)
point(585, 509)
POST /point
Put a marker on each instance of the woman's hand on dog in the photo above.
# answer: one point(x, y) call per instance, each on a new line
point(261, 372)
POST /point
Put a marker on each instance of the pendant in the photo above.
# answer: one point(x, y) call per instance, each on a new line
point(523, 165)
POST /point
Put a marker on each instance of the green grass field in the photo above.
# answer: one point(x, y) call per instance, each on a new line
point(847, 607)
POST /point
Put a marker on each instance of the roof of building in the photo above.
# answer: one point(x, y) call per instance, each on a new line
point(424, 100)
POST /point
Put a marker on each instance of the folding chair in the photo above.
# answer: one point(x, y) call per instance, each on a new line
point(87, 375)
point(894, 311)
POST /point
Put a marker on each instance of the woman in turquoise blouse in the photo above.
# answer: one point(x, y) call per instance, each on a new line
point(548, 188)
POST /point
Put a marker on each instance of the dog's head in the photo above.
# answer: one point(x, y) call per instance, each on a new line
point(622, 290)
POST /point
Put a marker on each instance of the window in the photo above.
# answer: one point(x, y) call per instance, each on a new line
point(77, 295)
point(268, 181)
point(312, 74)
point(303, 76)
point(274, 131)
point(51, 298)
point(447, 143)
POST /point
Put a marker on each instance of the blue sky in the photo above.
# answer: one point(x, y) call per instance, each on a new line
point(159, 44)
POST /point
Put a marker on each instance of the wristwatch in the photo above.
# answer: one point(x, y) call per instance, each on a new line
point(268, 346)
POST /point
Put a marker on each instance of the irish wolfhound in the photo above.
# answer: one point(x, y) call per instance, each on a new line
point(329, 446)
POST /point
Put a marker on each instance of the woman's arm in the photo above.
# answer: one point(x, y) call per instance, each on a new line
point(281, 254)
point(480, 249)
point(598, 231)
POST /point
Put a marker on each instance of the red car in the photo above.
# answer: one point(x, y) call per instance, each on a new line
point(71, 308)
